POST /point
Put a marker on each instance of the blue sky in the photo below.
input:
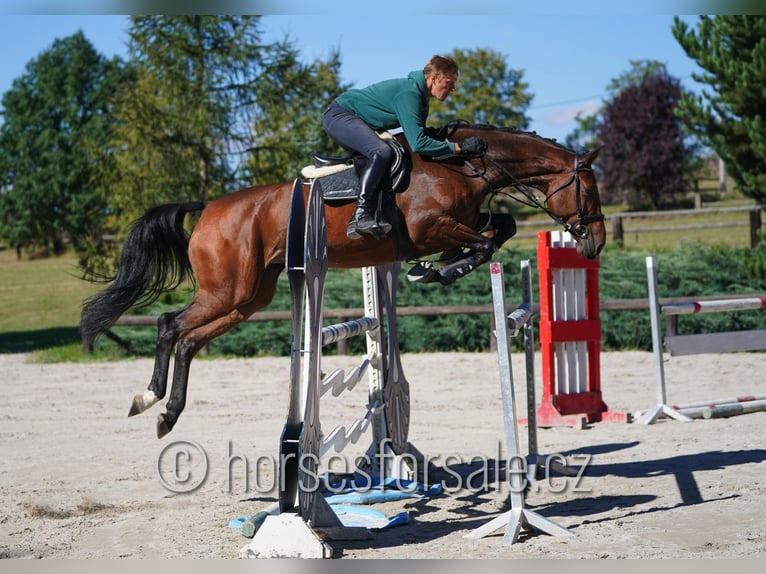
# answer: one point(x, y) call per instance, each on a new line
point(567, 59)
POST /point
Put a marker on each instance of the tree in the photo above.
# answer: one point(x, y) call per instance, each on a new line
point(290, 100)
point(213, 110)
point(182, 128)
point(731, 119)
point(644, 155)
point(584, 136)
point(55, 124)
point(488, 92)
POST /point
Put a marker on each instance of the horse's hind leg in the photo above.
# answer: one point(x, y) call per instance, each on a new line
point(193, 339)
point(167, 334)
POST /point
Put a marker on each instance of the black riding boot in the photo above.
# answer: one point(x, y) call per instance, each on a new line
point(363, 220)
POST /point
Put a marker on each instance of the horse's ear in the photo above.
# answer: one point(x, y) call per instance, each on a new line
point(588, 157)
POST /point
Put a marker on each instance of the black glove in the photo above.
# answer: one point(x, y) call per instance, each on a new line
point(472, 147)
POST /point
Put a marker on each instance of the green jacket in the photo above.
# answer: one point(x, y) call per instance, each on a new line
point(402, 102)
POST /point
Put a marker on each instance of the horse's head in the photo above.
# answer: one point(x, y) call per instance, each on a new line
point(572, 199)
point(528, 162)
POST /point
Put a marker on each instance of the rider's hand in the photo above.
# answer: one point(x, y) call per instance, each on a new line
point(473, 146)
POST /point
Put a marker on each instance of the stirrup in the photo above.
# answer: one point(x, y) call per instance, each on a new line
point(378, 230)
point(352, 230)
point(381, 228)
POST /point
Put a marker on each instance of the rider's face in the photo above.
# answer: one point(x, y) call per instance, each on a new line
point(440, 86)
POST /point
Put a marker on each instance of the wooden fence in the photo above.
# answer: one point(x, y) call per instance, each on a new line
point(341, 315)
point(618, 222)
point(754, 221)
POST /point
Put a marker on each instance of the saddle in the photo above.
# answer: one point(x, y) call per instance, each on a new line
point(340, 175)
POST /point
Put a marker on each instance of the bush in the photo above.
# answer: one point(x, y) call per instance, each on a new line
point(690, 270)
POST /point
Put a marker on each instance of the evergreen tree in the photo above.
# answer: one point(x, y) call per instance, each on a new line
point(183, 127)
point(213, 110)
point(730, 119)
point(54, 127)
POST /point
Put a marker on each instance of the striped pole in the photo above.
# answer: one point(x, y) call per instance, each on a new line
point(742, 399)
point(713, 306)
point(700, 343)
point(734, 409)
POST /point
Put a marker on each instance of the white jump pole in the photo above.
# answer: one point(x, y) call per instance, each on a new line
point(698, 344)
point(518, 517)
point(661, 408)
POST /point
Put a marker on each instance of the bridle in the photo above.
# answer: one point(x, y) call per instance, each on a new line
point(579, 228)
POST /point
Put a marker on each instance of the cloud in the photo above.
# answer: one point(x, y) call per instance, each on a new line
point(565, 114)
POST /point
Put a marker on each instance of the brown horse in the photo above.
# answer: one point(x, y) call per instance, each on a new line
point(237, 248)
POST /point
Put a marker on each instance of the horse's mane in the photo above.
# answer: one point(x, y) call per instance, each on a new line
point(452, 126)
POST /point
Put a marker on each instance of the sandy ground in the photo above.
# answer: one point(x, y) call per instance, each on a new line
point(79, 479)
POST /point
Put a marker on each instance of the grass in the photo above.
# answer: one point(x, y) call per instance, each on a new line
point(40, 303)
point(738, 236)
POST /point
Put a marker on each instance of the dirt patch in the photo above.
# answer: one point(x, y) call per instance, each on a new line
point(82, 480)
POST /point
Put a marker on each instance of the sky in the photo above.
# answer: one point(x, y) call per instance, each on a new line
point(567, 58)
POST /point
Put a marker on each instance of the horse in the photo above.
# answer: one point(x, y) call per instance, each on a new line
point(236, 249)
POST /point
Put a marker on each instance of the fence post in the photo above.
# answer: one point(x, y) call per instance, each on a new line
point(617, 229)
point(755, 226)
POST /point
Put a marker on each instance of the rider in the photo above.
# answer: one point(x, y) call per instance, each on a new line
point(352, 119)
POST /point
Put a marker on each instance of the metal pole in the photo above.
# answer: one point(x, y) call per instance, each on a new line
point(654, 311)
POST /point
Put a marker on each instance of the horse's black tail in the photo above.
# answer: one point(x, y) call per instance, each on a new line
point(154, 259)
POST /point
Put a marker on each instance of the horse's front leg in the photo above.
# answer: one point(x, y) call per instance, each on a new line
point(503, 226)
point(481, 247)
point(448, 274)
point(167, 334)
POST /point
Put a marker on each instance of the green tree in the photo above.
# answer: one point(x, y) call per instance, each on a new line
point(55, 125)
point(584, 136)
point(488, 91)
point(182, 128)
point(730, 119)
point(287, 119)
point(212, 109)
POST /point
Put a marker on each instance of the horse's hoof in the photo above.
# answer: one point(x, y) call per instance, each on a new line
point(142, 402)
point(163, 426)
point(422, 273)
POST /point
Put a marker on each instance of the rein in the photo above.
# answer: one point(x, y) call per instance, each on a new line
point(579, 228)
